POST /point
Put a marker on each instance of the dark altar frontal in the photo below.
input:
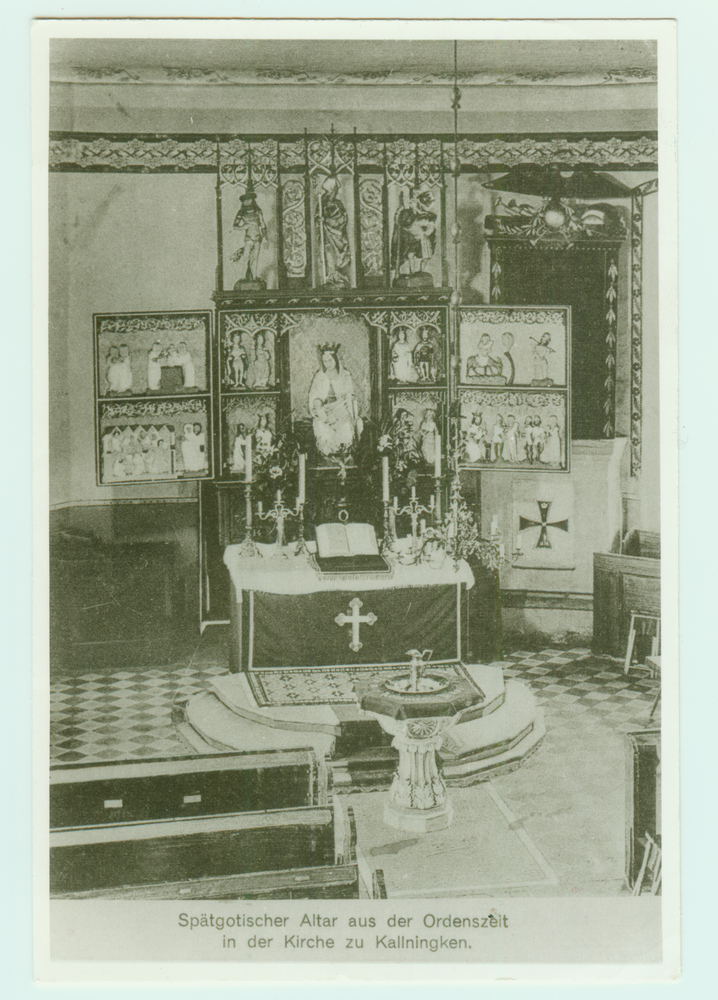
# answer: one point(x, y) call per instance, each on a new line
point(285, 615)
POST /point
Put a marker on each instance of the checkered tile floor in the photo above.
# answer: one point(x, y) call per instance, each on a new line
point(123, 715)
point(573, 686)
point(128, 713)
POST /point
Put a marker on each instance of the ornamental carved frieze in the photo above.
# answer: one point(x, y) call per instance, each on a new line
point(611, 151)
point(137, 154)
point(404, 158)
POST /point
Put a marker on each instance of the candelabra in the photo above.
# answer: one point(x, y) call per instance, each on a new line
point(279, 514)
point(247, 548)
point(414, 509)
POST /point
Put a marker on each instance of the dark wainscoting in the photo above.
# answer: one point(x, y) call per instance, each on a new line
point(124, 584)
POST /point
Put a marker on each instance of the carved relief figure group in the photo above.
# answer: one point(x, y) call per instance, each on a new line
point(419, 362)
point(168, 369)
point(511, 442)
point(137, 451)
point(242, 371)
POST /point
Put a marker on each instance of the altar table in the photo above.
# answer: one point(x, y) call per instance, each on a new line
point(285, 615)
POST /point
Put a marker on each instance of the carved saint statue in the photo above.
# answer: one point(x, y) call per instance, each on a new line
point(425, 355)
point(332, 220)
point(119, 370)
point(193, 446)
point(260, 368)
point(402, 364)
point(413, 240)
point(333, 406)
point(250, 226)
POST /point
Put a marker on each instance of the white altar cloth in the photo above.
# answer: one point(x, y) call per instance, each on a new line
point(298, 576)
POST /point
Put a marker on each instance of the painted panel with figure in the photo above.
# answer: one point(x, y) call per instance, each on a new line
point(518, 429)
point(523, 347)
point(248, 423)
point(152, 354)
point(154, 440)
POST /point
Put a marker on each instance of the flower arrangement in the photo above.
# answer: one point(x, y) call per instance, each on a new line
point(458, 534)
point(275, 467)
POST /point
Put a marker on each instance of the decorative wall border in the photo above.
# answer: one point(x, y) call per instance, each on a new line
point(142, 153)
point(636, 397)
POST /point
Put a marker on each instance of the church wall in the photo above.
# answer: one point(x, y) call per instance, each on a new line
point(587, 500)
point(122, 108)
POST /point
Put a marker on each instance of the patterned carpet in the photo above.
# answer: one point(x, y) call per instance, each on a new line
point(321, 686)
point(128, 714)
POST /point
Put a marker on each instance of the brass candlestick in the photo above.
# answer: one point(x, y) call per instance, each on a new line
point(247, 547)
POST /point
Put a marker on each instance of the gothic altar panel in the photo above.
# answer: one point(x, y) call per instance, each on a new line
point(332, 354)
point(514, 388)
point(153, 396)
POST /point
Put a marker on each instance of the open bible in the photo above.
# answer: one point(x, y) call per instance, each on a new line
point(348, 548)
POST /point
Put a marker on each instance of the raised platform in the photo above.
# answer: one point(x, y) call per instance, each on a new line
point(490, 738)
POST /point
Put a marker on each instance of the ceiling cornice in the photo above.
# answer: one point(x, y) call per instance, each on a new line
point(204, 77)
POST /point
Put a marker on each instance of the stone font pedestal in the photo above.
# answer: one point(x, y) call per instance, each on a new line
point(418, 800)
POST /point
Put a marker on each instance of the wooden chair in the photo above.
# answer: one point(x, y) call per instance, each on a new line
point(642, 596)
point(654, 665)
point(651, 866)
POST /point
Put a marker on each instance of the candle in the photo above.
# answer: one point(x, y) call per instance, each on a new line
point(259, 507)
point(279, 496)
point(438, 507)
point(422, 526)
point(385, 478)
point(302, 479)
point(396, 505)
point(437, 456)
point(413, 492)
point(248, 459)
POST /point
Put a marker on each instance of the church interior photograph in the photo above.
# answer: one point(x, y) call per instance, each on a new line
point(354, 469)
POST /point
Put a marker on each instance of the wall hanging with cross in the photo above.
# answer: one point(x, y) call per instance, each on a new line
point(355, 620)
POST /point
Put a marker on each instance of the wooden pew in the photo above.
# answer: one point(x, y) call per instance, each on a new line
point(303, 853)
point(131, 791)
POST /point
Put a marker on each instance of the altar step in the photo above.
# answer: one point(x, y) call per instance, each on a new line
point(228, 718)
point(222, 729)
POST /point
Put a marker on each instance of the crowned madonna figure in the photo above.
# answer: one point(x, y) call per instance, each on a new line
point(333, 406)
